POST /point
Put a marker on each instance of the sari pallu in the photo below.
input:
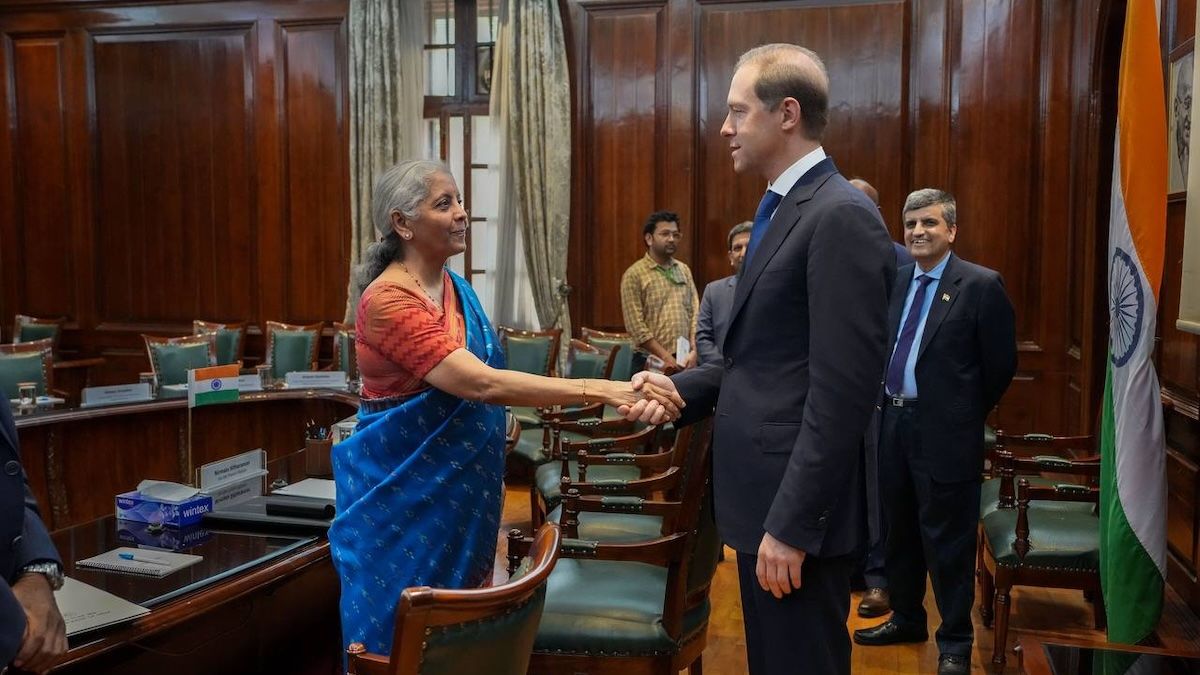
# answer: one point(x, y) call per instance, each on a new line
point(419, 493)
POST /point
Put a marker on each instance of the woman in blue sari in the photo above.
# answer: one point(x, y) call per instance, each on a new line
point(420, 483)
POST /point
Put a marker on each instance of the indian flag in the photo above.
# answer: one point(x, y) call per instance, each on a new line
point(1133, 506)
point(216, 384)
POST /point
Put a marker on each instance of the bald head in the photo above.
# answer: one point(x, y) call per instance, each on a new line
point(791, 71)
point(866, 188)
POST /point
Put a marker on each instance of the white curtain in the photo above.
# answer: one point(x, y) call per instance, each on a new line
point(387, 96)
point(531, 101)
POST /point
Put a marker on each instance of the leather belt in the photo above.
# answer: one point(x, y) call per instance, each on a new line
point(900, 402)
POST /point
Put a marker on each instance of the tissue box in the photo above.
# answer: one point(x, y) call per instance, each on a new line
point(142, 534)
point(133, 506)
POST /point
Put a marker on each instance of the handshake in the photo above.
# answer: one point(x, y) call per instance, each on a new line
point(650, 398)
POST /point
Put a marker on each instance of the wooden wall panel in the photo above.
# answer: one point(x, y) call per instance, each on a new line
point(170, 162)
point(622, 100)
point(38, 212)
point(316, 179)
point(172, 219)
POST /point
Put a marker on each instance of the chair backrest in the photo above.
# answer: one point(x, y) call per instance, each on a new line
point(1028, 445)
point(27, 362)
point(171, 357)
point(345, 357)
point(31, 329)
point(292, 347)
point(231, 339)
point(621, 344)
point(590, 361)
point(531, 351)
point(446, 632)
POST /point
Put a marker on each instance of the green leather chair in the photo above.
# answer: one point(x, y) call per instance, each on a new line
point(30, 329)
point(292, 348)
point(172, 357)
point(589, 361)
point(621, 344)
point(533, 352)
point(449, 632)
point(633, 608)
point(999, 490)
point(231, 339)
point(1051, 538)
point(27, 362)
point(344, 353)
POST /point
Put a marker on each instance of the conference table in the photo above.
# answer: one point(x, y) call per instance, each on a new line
point(257, 602)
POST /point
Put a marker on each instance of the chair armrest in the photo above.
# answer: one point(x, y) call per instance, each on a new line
point(361, 662)
point(648, 464)
point(638, 487)
point(1063, 492)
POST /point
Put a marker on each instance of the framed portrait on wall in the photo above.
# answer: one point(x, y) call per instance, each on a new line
point(1179, 118)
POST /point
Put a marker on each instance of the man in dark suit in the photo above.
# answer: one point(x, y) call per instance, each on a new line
point(32, 633)
point(806, 342)
point(871, 578)
point(718, 298)
point(953, 337)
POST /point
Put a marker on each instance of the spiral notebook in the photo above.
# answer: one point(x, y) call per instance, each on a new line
point(146, 562)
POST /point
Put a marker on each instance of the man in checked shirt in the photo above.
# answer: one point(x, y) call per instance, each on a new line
point(658, 297)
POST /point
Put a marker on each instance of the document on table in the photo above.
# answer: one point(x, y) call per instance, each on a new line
point(85, 607)
point(316, 488)
point(146, 562)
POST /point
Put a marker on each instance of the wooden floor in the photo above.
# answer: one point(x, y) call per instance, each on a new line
point(1045, 612)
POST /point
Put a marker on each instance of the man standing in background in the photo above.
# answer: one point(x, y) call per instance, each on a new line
point(718, 298)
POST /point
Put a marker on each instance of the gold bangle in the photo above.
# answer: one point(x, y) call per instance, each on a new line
point(585, 398)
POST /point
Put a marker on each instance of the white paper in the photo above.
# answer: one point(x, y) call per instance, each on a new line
point(683, 349)
point(316, 379)
point(85, 607)
point(317, 488)
point(163, 491)
point(233, 469)
point(121, 393)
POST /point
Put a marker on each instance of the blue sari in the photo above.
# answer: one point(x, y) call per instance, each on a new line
point(419, 493)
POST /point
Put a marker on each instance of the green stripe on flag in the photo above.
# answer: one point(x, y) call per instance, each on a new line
point(219, 396)
point(1133, 587)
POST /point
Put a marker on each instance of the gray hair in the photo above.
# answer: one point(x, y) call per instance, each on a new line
point(781, 76)
point(745, 226)
point(400, 189)
point(924, 197)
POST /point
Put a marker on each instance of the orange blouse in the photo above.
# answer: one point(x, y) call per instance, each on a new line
point(400, 336)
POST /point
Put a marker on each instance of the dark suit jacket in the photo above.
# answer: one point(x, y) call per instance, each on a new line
point(714, 318)
point(903, 257)
point(802, 359)
point(966, 359)
point(23, 537)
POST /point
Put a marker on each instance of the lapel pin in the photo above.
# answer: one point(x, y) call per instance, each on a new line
point(945, 297)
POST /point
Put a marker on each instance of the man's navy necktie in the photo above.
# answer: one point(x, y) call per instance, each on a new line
point(762, 220)
point(904, 343)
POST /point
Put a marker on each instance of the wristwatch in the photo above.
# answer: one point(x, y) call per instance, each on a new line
point(51, 570)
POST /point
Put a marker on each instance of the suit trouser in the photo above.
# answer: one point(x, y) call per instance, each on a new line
point(805, 631)
point(873, 566)
point(931, 527)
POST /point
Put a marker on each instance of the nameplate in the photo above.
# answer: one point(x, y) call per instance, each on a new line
point(250, 464)
point(230, 494)
point(121, 393)
point(316, 379)
point(249, 383)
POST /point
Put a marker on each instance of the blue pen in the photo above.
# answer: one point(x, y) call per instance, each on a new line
point(130, 556)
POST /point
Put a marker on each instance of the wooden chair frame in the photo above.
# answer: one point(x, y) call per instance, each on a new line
point(151, 340)
point(555, 335)
point(672, 551)
point(25, 320)
point(45, 347)
point(996, 581)
point(201, 327)
point(272, 326)
point(422, 608)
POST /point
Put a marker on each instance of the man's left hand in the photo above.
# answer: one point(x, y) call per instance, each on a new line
point(778, 566)
point(46, 633)
point(690, 362)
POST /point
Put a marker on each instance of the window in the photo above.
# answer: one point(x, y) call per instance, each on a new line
point(460, 39)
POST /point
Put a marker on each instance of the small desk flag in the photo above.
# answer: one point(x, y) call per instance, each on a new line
point(216, 384)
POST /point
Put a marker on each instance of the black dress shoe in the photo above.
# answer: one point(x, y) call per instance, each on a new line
point(952, 664)
point(889, 633)
point(874, 603)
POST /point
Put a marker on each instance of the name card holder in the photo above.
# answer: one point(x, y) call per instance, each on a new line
point(249, 383)
point(121, 393)
point(316, 379)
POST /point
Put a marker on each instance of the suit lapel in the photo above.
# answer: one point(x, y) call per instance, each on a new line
point(790, 212)
point(900, 290)
point(943, 300)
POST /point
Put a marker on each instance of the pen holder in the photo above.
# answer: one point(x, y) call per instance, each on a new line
point(316, 457)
